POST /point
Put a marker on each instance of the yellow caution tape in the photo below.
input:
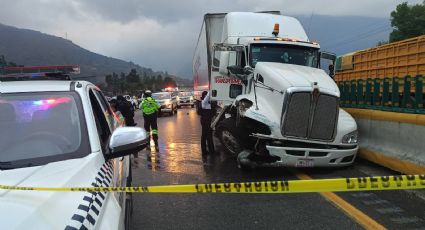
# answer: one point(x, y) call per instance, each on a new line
point(372, 183)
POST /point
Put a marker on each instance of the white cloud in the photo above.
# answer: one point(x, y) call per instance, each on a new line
point(157, 33)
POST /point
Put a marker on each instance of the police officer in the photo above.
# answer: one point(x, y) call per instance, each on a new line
point(206, 118)
point(150, 109)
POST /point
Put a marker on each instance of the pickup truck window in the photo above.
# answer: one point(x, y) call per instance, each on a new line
point(289, 54)
point(51, 125)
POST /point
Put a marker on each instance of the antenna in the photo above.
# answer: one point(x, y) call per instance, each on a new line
point(309, 24)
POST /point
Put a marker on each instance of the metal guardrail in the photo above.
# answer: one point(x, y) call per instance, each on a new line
point(403, 95)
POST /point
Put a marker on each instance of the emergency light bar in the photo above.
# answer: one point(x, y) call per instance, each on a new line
point(64, 69)
point(38, 72)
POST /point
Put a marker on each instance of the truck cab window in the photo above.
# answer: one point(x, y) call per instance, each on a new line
point(235, 90)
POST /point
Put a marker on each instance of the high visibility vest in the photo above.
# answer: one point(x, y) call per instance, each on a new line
point(149, 106)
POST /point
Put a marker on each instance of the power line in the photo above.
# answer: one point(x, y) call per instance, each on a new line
point(361, 38)
point(357, 35)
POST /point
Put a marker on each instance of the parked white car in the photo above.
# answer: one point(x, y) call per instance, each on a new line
point(63, 134)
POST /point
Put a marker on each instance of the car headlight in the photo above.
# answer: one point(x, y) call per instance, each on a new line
point(350, 138)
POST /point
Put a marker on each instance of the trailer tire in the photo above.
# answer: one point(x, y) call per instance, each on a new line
point(229, 137)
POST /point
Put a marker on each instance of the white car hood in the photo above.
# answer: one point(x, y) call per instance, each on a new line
point(46, 210)
point(298, 76)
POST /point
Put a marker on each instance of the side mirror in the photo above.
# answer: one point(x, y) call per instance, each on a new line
point(127, 140)
point(235, 69)
point(224, 62)
point(248, 70)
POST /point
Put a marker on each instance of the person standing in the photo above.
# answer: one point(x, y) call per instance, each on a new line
point(119, 121)
point(150, 108)
point(206, 118)
point(126, 110)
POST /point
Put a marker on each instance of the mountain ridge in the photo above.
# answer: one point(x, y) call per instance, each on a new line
point(31, 47)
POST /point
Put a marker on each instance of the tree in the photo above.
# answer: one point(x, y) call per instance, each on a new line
point(407, 21)
point(3, 61)
point(380, 43)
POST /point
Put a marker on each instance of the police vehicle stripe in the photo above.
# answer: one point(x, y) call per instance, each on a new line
point(89, 209)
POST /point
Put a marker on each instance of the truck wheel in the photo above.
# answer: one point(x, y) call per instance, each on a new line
point(227, 133)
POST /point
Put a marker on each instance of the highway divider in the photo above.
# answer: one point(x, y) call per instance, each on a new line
point(373, 183)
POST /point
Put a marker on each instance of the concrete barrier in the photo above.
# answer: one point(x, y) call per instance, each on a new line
point(394, 140)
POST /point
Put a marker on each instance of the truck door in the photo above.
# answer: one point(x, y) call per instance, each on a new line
point(224, 86)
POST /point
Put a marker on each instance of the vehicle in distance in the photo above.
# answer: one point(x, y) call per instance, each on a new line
point(168, 102)
point(60, 133)
point(278, 107)
point(185, 99)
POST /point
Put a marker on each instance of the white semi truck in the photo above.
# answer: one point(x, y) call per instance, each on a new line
point(276, 107)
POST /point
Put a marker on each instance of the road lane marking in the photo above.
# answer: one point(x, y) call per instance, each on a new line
point(364, 220)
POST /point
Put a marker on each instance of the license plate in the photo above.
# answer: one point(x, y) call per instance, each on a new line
point(304, 163)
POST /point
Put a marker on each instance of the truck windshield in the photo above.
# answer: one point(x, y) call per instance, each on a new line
point(39, 128)
point(289, 54)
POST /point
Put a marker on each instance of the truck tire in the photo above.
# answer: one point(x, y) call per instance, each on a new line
point(229, 137)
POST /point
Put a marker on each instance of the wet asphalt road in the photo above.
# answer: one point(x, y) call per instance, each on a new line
point(179, 161)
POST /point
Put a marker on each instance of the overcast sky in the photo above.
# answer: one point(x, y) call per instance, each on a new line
point(158, 34)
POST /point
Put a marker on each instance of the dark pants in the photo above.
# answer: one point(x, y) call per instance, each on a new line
point(206, 137)
point(151, 123)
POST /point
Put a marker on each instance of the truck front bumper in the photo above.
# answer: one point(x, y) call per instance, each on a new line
point(311, 157)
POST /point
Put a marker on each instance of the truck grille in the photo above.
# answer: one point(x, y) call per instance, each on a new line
point(307, 118)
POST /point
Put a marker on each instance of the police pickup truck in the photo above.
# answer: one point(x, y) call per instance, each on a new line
point(62, 133)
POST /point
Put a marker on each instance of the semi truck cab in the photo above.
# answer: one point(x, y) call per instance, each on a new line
point(278, 106)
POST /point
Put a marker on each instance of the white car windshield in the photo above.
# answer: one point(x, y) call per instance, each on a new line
point(49, 124)
point(161, 96)
point(185, 94)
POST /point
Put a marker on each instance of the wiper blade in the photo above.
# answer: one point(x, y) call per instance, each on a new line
point(12, 165)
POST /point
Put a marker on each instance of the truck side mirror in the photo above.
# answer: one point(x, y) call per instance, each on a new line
point(248, 70)
point(235, 69)
point(224, 62)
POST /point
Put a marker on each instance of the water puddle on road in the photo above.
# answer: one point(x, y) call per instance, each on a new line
point(179, 147)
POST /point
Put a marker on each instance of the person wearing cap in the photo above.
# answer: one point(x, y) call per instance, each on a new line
point(150, 108)
point(206, 118)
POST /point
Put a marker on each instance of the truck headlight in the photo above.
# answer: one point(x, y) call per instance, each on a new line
point(350, 138)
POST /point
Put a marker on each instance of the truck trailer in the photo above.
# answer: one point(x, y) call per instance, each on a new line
point(275, 105)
